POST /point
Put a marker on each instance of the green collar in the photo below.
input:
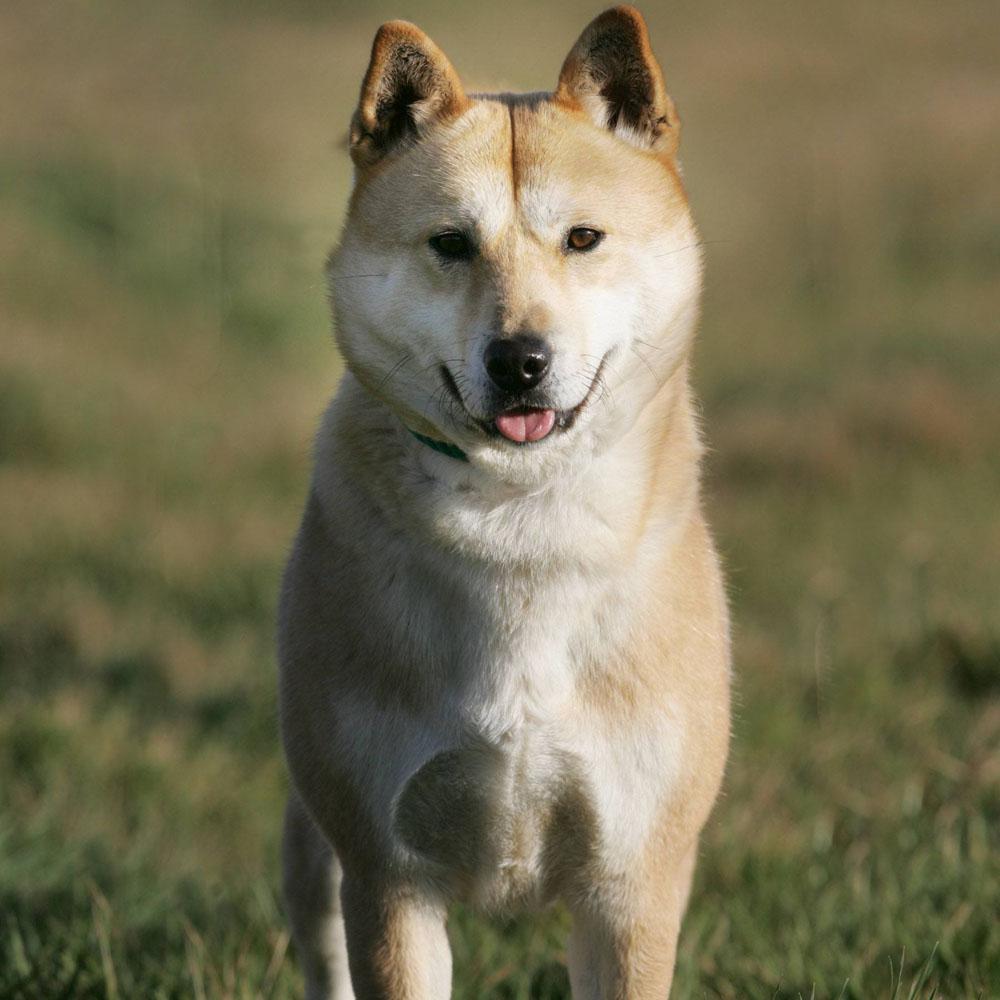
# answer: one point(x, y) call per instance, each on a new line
point(451, 450)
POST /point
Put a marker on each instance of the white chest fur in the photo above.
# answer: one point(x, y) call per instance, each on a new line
point(510, 764)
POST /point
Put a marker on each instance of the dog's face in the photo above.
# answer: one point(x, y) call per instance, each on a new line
point(517, 275)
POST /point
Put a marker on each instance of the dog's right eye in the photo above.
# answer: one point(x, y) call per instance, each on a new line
point(451, 245)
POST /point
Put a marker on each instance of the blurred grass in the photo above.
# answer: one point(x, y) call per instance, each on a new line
point(170, 179)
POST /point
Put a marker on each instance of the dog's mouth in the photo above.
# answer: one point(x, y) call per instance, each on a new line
point(523, 423)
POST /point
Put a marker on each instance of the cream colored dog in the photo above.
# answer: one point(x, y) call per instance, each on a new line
point(504, 639)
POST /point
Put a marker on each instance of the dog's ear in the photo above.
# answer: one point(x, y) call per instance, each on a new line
point(409, 85)
point(612, 75)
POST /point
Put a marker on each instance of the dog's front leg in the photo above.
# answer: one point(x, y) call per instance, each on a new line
point(397, 942)
point(624, 940)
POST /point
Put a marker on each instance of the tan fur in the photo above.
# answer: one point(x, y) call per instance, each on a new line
point(505, 680)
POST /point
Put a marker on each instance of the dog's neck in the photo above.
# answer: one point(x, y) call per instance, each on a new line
point(597, 503)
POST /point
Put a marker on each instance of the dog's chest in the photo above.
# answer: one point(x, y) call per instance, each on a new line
point(509, 780)
point(490, 818)
point(492, 771)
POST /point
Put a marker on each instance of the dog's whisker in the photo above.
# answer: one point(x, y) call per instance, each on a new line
point(646, 343)
point(689, 246)
point(392, 372)
point(649, 367)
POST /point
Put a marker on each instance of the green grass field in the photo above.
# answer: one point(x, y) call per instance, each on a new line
point(171, 176)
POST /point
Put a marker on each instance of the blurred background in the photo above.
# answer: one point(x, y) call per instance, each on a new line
point(171, 177)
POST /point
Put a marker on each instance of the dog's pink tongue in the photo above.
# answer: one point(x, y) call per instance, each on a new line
point(526, 425)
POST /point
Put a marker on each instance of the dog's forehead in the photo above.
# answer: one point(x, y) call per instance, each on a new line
point(525, 155)
point(515, 160)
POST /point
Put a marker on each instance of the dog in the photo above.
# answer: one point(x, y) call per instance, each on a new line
point(503, 631)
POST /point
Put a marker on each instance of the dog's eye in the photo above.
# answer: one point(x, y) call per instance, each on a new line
point(451, 245)
point(583, 238)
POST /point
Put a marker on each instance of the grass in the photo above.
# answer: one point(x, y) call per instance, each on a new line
point(170, 179)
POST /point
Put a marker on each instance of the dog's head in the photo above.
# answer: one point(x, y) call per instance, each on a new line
point(518, 274)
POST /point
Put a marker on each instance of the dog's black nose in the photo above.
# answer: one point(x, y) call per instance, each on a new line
point(517, 363)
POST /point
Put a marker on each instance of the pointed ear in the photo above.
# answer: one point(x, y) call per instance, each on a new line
point(612, 75)
point(409, 85)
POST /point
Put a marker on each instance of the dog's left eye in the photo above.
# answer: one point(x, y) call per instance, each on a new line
point(451, 245)
point(583, 238)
